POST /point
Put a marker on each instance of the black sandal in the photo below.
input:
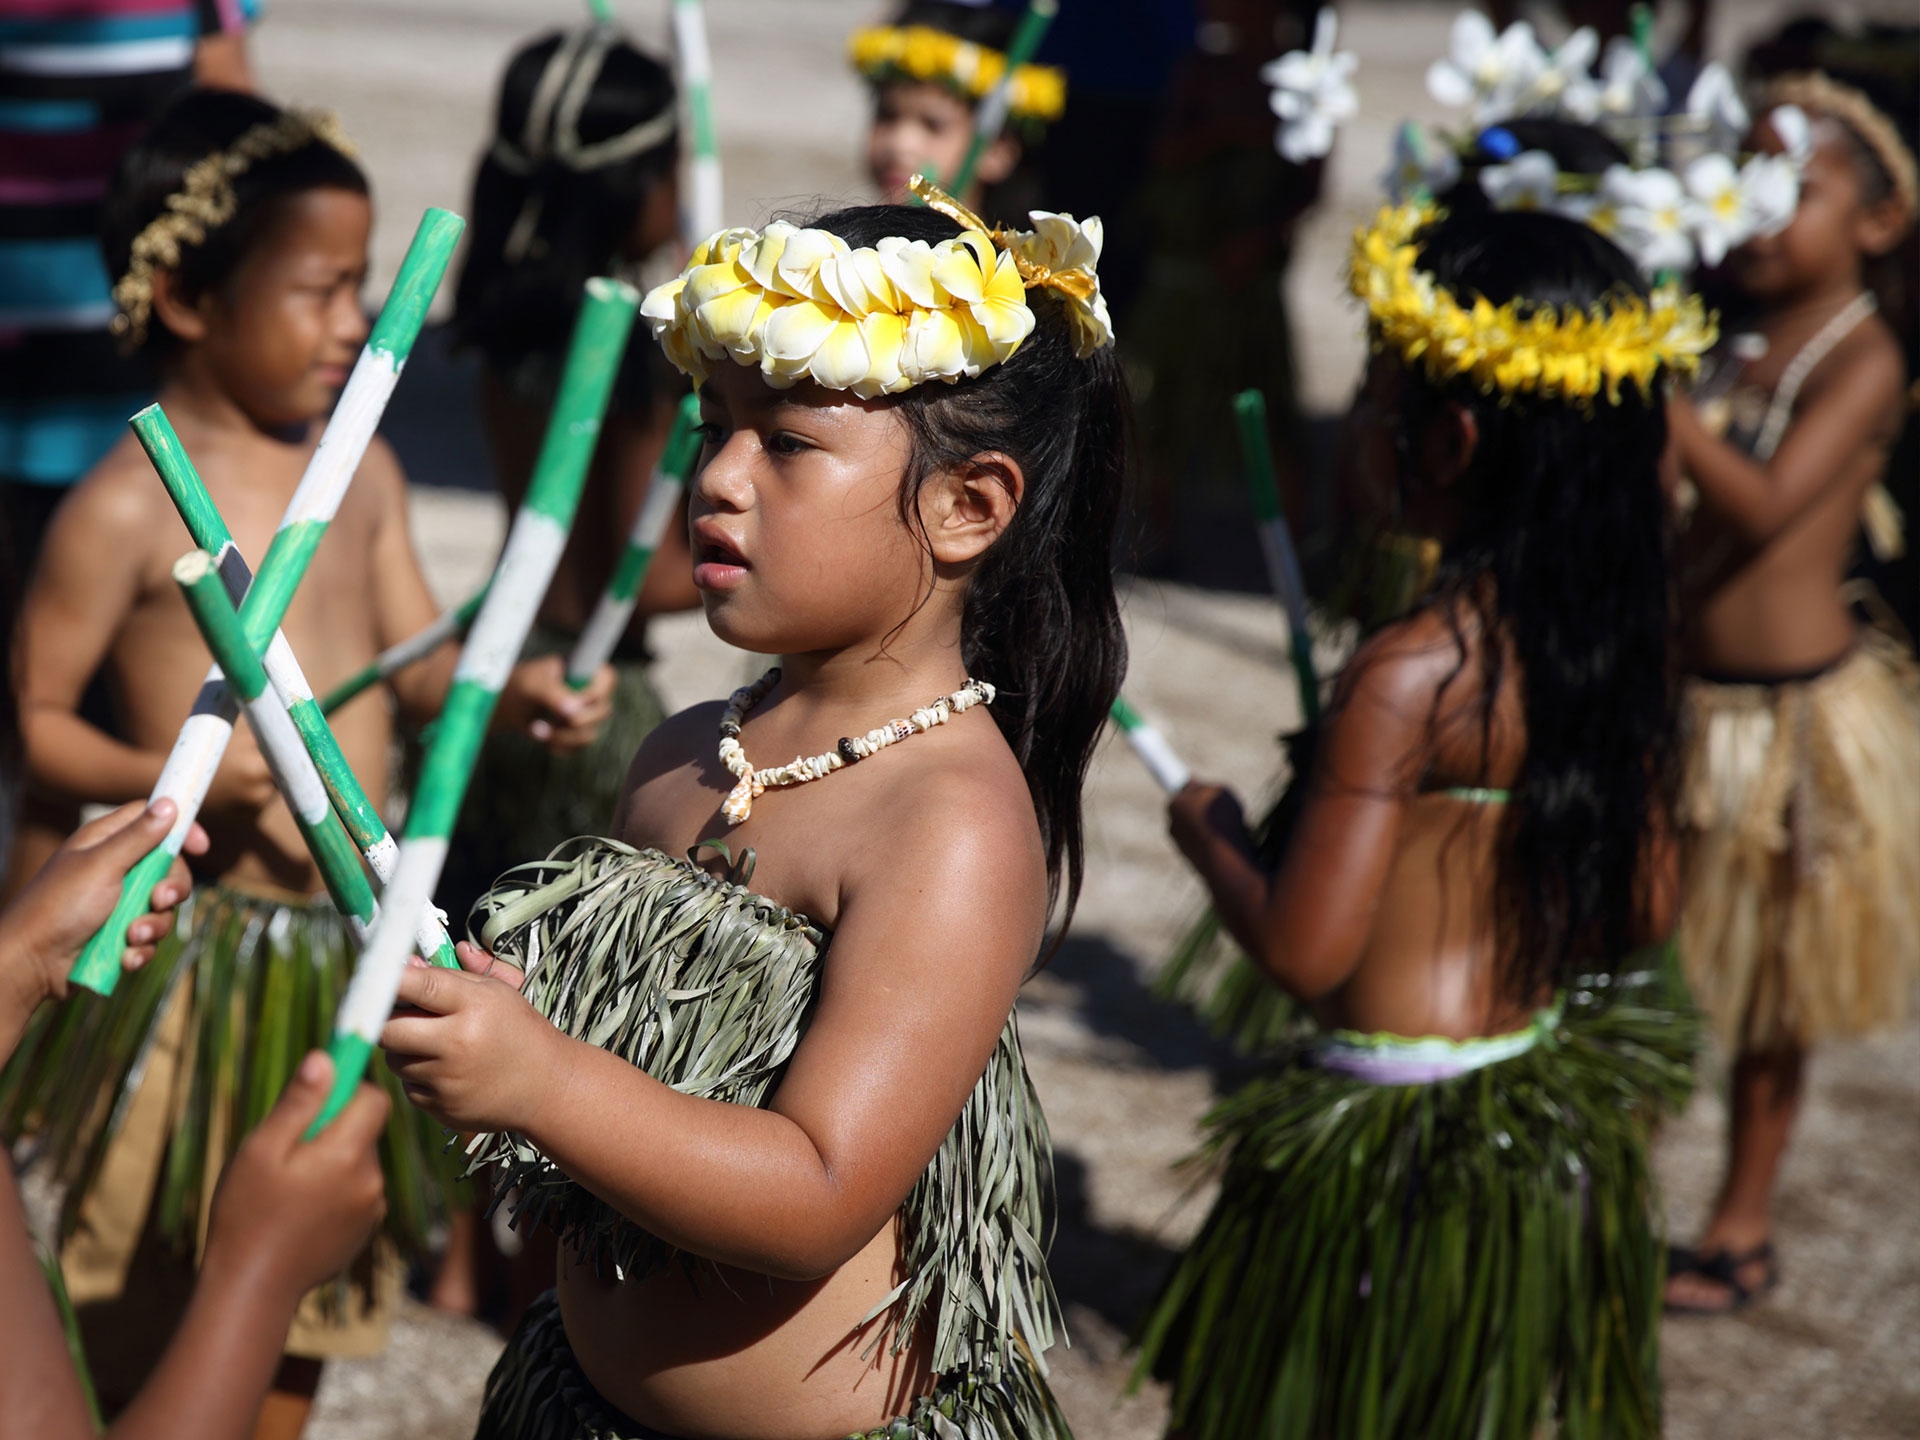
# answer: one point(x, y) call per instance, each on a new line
point(1723, 1267)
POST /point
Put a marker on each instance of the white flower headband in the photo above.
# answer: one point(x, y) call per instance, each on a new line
point(803, 304)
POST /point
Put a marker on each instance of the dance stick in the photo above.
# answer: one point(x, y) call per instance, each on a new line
point(450, 625)
point(291, 691)
point(706, 206)
point(203, 738)
point(609, 622)
point(198, 575)
point(1152, 747)
point(991, 118)
point(520, 582)
point(1276, 543)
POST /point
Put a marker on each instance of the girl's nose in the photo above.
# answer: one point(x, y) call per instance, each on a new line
point(722, 481)
point(350, 319)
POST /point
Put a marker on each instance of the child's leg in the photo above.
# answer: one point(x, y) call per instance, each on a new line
point(284, 1414)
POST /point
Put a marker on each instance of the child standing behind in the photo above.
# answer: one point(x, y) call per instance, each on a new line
point(1802, 852)
point(255, 321)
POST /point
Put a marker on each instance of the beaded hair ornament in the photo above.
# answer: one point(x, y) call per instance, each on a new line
point(919, 52)
point(1818, 93)
point(803, 304)
point(205, 201)
point(1569, 353)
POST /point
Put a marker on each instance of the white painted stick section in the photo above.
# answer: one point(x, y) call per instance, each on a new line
point(383, 958)
point(422, 642)
point(286, 756)
point(526, 569)
point(343, 444)
point(1157, 755)
point(196, 754)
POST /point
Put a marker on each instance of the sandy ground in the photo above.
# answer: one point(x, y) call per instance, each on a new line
point(1833, 1353)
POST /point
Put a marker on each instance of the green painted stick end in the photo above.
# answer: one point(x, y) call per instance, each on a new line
point(98, 967)
point(1124, 715)
point(427, 258)
point(350, 1056)
point(444, 957)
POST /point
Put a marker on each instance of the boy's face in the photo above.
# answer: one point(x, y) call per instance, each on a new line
point(1831, 231)
point(282, 334)
point(921, 128)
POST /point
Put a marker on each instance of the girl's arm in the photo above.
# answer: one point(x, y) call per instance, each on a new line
point(1307, 925)
point(1841, 423)
point(940, 919)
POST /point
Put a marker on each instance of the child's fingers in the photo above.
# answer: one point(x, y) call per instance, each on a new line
point(357, 1126)
point(430, 988)
point(299, 1103)
point(476, 961)
point(409, 1039)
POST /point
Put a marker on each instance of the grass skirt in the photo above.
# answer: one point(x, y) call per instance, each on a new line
point(1800, 816)
point(1469, 1259)
point(537, 1392)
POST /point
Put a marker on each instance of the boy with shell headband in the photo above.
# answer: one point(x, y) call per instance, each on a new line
point(785, 1133)
point(1436, 1215)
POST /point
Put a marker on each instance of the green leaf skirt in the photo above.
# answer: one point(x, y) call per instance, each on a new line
point(1476, 1258)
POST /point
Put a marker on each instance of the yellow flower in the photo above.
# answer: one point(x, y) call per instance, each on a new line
point(920, 52)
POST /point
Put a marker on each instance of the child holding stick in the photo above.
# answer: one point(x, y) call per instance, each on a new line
point(1436, 1212)
point(239, 231)
point(288, 1214)
point(786, 1133)
point(1802, 860)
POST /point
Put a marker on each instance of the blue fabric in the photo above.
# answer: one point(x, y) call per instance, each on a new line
point(49, 117)
point(182, 23)
point(51, 274)
point(55, 442)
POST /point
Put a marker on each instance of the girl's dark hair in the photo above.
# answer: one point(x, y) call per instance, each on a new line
point(1561, 508)
point(192, 127)
point(1040, 620)
point(987, 25)
point(543, 221)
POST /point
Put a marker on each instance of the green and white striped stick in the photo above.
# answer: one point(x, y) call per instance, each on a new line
point(706, 205)
point(198, 575)
point(520, 582)
point(203, 738)
point(609, 621)
point(451, 625)
point(291, 694)
point(1152, 747)
point(1276, 543)
point(991, 116)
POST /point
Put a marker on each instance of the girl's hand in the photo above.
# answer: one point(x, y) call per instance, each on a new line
point(1201, 816)
point(471, 1052)
point(74, 893)
point(538, 701)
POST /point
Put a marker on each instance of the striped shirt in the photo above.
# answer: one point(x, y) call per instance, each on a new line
point(79, 81)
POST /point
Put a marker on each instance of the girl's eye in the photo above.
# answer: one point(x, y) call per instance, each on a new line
point(783, 443)
point(708, 432)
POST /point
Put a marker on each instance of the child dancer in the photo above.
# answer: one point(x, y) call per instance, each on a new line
point(1802, 860)
point(786, 1133)
point(1451, 1235)
point(929, 70)
point(289, 1213)
point(239, 231)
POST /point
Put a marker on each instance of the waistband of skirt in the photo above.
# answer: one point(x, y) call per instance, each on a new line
point(1380, 1058)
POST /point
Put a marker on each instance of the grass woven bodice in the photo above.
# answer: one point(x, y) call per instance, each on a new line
point(708, 988)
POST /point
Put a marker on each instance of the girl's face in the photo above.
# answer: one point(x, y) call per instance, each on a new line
point(282, 334)
point(920, 128)
point(798, 543)
point(1830, 233)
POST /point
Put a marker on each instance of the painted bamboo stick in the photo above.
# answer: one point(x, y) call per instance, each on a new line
point(706, 206)
point(198, 575)
point(203, 738)
point(209, 531)
point(609, 620)
point(1152, 747)
point(532, 553)
point(450, 625)
point(991, 116)
point(1276, 543)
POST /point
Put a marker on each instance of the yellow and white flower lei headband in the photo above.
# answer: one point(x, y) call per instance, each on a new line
point(919, 52)
point(1567, 354)
point(205, 201)
point(803, 304)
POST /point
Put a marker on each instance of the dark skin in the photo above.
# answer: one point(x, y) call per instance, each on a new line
point(926, 865)
point(1380, 916)
point(1765, 555)
point(287, 1215)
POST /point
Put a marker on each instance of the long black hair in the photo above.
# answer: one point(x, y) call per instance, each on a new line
point(1040, 619)
point(585, 130)
point(1561, 507)
point(195, 125)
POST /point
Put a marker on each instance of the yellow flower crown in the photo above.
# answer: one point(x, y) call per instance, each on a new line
point(919, 52)
point(803, 304)
point(205, 201)
point(1568, 354)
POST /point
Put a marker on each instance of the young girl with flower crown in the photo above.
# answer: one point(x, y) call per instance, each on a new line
point(755, 1058)
point(1436, 1212)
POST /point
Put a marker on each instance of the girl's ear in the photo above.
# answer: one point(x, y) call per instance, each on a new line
point(1448, 443)
point(998, 159)
point(1880, 227)
point(965, 509)
point(185, 319)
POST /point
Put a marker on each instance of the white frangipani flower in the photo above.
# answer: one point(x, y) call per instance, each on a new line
point(1644, 212)
point(1628, 85)
point(1487, 72)
point(1420, 163)
point(1728, 207)
point(1529, 181)
point(1790, 123)
point(1770, 191)
point(1311, 93)
point(1565, 84)
point(1714, 101)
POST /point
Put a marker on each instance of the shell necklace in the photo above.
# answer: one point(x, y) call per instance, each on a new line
point(752, 783)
